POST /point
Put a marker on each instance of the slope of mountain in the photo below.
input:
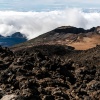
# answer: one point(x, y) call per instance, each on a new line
point(15, 38)
point(79, 38)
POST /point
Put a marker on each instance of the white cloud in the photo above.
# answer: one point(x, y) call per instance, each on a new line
point(33, 24)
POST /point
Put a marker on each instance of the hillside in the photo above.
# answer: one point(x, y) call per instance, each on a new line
point(78, 38)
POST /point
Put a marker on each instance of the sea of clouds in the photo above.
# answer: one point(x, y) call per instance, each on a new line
point(33, 24)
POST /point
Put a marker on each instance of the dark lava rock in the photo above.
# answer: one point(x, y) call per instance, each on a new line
point(47, 72)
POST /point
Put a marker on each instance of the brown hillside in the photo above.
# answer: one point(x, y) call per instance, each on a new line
point(78, 38)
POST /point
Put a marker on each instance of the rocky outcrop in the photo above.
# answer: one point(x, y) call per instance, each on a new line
point(9, 97)
point(71, 29)
point(50, 72)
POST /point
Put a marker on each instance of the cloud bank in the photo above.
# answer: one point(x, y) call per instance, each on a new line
point(33, 24)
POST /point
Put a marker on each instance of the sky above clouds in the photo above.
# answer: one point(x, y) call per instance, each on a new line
point(38, 5)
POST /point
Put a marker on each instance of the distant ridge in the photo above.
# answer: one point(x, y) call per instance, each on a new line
point(15, 38)
point(18, 35)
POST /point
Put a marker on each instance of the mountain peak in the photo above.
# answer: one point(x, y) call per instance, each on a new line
point(18, 35)
point(13, 39)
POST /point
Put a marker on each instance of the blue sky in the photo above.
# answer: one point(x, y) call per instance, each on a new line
point(38, 5)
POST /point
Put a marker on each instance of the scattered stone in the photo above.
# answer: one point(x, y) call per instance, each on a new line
point(9, 97)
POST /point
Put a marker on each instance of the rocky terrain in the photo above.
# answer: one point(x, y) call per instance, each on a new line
point(78, 38)
point(49, 72)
